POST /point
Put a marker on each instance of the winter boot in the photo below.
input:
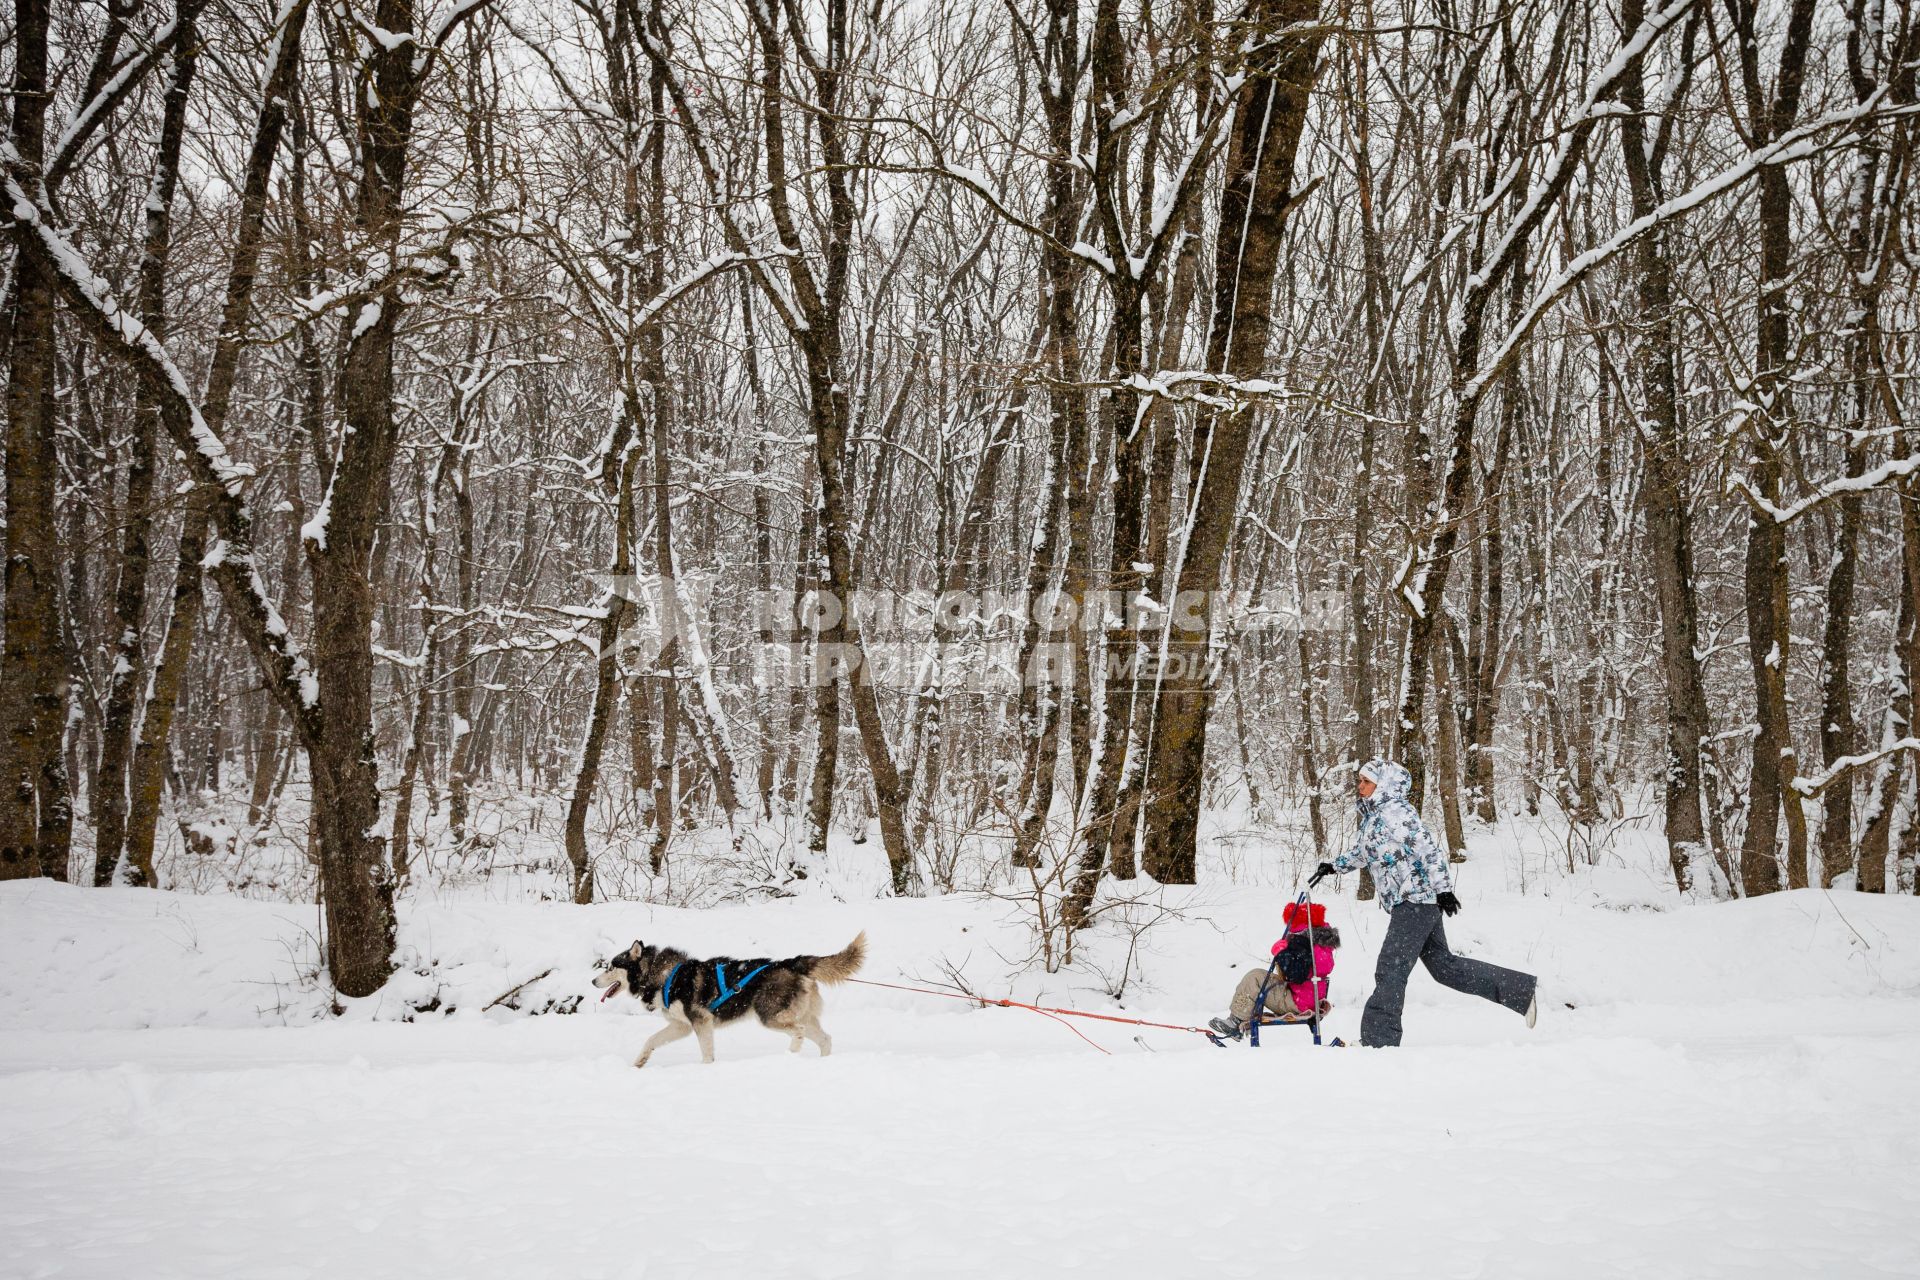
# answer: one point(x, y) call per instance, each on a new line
point(1225, 1028)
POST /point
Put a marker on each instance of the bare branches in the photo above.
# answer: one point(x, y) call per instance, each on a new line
point(443, 273)
point(1802, 143)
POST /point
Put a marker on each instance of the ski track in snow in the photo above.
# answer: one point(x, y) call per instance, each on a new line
point(1734, 1097)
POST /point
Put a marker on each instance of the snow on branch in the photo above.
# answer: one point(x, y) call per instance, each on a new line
point(1814, 784)
point(439, 29)
point(1216, 390)
point(391, 41)
point(67, 147)
point(97, 295)
point(686, 284)
point(1081, 249)
point(431, 262)
point(1892, 469)
point(1598, 105)
point(231, 559)
point(1796, 144)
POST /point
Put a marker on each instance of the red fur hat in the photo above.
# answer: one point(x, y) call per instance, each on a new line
point(1297, 919)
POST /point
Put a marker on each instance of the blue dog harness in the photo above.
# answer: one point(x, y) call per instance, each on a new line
point(726, 992)
point(720, 976)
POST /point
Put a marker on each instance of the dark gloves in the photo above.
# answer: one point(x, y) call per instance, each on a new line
point(1320, 873)
point(1447, 903)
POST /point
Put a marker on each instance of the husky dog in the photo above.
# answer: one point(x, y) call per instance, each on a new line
point(695, 995)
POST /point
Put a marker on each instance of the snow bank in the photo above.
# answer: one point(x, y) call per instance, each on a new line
point(86, 959)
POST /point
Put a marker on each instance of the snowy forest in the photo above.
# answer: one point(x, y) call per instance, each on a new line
point(1018, 426)
point(511, 501)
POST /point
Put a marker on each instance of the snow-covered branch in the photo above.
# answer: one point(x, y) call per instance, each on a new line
point(231, 559)
point(72, 139)
point(1814, 784)
point(1892, 469)
point(1796, 144)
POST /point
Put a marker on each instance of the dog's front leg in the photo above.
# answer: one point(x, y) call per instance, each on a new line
point(674, 1030)
point(703, 1028)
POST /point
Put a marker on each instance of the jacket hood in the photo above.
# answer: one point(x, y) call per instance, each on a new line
point(1391, 781)
point(1324, 935)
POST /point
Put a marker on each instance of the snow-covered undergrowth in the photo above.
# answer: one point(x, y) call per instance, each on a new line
point(1731, 1096)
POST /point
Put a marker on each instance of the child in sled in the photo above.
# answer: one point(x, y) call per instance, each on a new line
point(1299, 981)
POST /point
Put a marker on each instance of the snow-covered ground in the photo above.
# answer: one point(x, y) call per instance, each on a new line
point(1733, 1096)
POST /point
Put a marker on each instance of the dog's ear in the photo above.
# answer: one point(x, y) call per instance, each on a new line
point(639, 949)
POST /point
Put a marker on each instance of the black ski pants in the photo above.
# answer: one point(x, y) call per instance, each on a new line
point(1415, 932)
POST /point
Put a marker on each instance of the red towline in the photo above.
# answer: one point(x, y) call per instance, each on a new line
point(1048, 1011)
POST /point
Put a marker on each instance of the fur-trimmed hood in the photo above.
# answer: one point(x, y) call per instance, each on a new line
point(1324, 935)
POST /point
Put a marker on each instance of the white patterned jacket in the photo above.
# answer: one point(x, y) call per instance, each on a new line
point(1408, 863)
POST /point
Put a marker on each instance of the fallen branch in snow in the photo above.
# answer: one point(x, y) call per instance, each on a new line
point(510, 992)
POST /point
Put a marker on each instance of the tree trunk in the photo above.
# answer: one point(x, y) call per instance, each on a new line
point(150, 754)
point(1873, 220)
point(1667, 470)
point(826, 756)
point(35, 818)
point(1903, 668)
point(646, 770)
point(685, 655)
point(1483, 676)
point(355, 873)
point(1268, 117)
point(1447, 726)
point(1309, 758)
point(1160, 550)
point(606, 688)
point(418, 727)
point(1122, 648)
point(1769, 632)
point(1051, 672)
point(764, 705)
point(1836, 687)
point(816, 330)
point(460, 661)
point(109, 793)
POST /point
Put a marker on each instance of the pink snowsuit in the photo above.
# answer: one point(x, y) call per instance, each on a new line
point(1325, 938)
point(1288, 998)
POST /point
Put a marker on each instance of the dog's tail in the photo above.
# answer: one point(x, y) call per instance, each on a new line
point(838, 967)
